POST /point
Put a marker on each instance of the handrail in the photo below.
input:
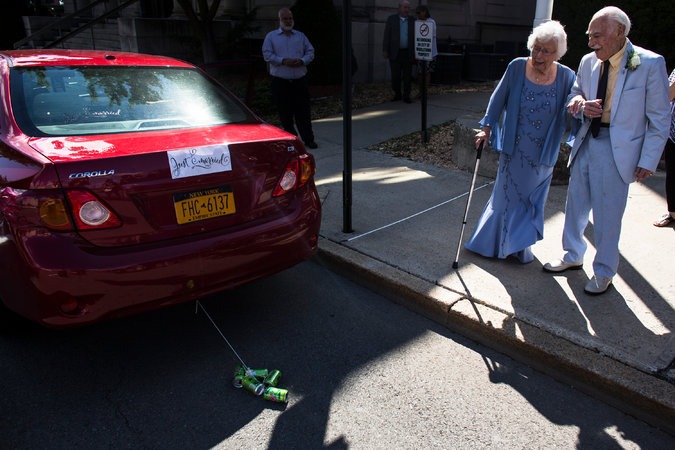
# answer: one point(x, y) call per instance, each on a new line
point(68, 19)
point(90, 24)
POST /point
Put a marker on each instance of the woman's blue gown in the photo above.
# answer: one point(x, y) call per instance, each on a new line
point(513, 218)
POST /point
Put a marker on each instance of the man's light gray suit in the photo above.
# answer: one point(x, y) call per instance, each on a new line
point(602, 168)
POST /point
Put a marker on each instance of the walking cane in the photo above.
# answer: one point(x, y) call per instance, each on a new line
point(468, 202)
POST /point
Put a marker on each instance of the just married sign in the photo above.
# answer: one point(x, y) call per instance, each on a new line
point(190, 162)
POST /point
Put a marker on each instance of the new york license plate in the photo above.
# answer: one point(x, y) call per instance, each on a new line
point(205, 204)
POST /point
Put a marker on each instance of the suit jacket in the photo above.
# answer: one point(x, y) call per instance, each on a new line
point(391, 40)
point(639, 119)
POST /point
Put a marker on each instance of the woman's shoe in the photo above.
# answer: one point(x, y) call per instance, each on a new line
point(664, 220)
point(525, 256)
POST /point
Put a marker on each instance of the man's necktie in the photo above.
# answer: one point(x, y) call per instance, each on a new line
point(602, 90)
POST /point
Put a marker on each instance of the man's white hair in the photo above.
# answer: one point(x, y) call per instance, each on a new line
point(615, 14)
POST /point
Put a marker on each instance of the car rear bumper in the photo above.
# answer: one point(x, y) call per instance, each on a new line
point(95, 284)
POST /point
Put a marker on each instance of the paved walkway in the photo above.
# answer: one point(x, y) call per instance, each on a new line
point(406, 219)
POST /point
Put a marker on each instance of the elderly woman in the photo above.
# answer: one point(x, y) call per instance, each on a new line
point(530, 101)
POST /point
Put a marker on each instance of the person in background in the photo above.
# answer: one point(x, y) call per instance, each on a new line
point(669, 151)
point(397, 47)
point(288, 52)
point(621, 95)
point(423, 13)
point(530, 99)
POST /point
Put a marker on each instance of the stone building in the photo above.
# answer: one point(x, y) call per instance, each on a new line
point(476, 37)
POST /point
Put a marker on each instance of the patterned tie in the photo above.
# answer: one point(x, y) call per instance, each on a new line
point(602, 91)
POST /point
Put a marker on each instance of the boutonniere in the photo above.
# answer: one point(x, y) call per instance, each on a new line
point(633, 60)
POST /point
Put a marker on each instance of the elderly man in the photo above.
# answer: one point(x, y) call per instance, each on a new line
point(621, 96)
point(397, 47)
point(288, 53)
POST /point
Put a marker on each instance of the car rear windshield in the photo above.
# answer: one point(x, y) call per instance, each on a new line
point(71, 101)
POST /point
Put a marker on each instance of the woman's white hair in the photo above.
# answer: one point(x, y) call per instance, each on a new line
point(549, 31)
point(615, 14)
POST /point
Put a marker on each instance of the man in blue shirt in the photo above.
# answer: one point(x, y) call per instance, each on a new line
point(397, 47)
point(288, 52)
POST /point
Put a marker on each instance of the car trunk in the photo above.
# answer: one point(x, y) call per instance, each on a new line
point(162, 186)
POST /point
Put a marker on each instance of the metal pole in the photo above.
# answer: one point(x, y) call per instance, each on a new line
point(423, 88)
point(347, 116)
point(468, 202)
point(543, 12)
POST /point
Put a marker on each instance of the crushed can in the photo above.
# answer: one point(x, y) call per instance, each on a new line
point(238, 380)
point(257, 373)
point(272, 379)
point(252, 384)
point(239, 370)
point(275, 394)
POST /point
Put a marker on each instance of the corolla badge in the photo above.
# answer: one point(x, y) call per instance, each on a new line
point(93, 173)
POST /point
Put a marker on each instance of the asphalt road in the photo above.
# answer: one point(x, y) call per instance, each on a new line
point(362, 372)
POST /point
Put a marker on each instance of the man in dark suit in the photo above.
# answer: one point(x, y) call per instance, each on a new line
point(397, 47)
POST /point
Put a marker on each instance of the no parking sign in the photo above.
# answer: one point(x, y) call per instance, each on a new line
point(424, 35)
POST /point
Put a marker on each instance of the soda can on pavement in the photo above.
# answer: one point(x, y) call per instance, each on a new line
point(275, 394)
point(252, 384)
point(238, 381)
point(272, 378)
point(239, 370)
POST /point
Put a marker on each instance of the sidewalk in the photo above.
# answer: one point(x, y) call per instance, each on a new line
point(406, 220)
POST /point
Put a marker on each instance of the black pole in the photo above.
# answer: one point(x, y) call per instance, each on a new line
point(423, 92)
point(347, 116)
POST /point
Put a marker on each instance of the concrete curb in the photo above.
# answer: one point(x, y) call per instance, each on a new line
point(637, 393)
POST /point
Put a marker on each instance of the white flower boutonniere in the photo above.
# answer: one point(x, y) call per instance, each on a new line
point(633, 60)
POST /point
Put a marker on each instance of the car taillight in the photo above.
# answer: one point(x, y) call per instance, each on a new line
point(89, 212)
point(296, 174)
point(81, 210)
point(53, 214)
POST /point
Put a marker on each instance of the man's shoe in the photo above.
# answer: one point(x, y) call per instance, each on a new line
point(312, 144)
point(560, 265)
point(664, 220)
point(597, 285)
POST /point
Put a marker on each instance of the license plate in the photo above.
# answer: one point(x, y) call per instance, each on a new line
point(206, 204)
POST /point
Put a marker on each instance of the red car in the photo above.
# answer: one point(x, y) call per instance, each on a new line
point(130, 182)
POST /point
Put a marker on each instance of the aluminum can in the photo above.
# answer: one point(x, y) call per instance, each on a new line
point(239, 370)
point(238, 381)
point(258, 373)
point(272, 378)
point(252, 384)
point(275, 394)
